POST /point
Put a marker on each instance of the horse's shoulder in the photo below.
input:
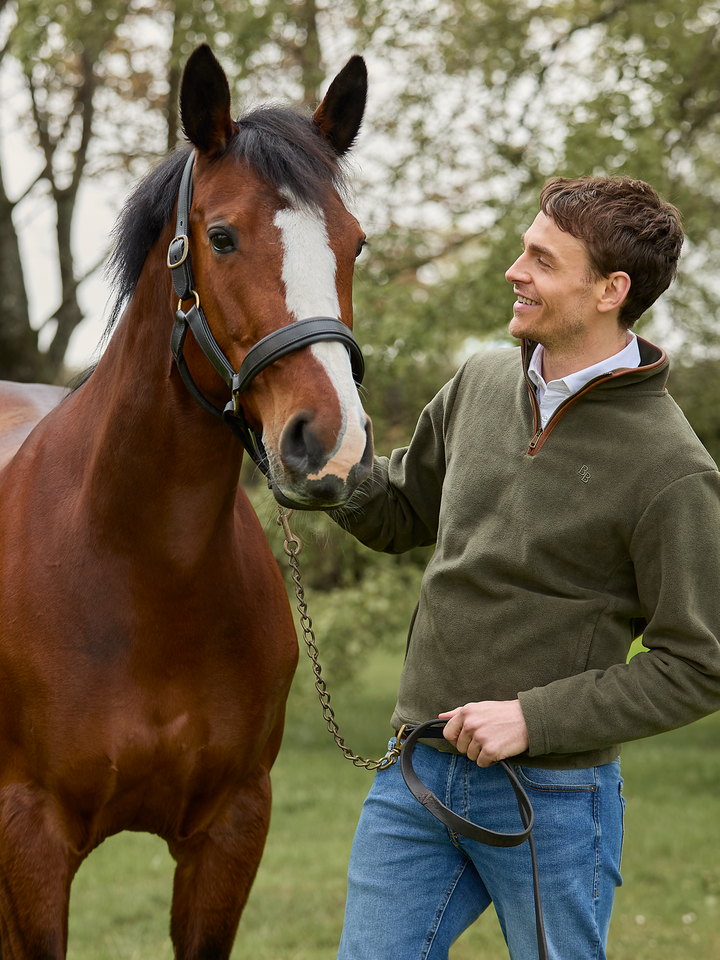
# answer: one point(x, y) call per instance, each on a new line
point(22, 406)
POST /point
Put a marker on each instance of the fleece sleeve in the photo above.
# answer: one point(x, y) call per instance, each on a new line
point(675, 550)
point(398, 506)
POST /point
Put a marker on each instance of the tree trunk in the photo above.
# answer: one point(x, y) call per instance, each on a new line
point(20, 358)
point(68, 314)
point(309, 56)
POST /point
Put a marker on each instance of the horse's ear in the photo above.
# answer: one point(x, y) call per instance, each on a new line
point(205, 102)
point(340, 114)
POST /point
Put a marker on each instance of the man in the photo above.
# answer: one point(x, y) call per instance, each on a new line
point(572, 509)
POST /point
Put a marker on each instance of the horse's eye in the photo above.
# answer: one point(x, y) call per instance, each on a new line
point(222, 242)
point(363, 243)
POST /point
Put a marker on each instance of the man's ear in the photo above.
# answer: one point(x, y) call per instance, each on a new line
point(205, 103)
point(613, 293)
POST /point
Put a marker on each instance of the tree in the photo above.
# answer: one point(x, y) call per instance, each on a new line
point(491, 98)
point(86, 65)
point(481, 102)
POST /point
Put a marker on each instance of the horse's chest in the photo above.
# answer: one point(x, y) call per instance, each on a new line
point(167, 774)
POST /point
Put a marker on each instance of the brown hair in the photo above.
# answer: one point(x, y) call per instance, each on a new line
point(625, 226)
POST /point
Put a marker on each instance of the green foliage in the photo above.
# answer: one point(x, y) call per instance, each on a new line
point(498, 96)
point(696, 389)
point(351, 622)
point(359, 601)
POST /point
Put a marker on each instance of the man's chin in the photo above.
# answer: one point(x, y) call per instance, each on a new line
point(519, 330)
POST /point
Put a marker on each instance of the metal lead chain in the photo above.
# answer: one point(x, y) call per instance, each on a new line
point(292, 547)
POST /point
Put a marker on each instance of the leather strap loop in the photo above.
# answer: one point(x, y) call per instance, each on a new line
point(177, 343)
point(433, 729)
point(232, 418)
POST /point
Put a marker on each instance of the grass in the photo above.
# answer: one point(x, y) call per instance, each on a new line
point(668, 909)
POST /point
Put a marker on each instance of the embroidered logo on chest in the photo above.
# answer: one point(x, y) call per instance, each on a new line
point(584, 473)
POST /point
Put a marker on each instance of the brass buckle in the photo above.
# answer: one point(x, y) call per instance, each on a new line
point(186, 250)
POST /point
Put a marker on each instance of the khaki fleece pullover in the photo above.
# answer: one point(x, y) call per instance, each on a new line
point(554, 549)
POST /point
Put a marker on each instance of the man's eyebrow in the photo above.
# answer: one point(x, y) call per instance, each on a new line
point(537, 249)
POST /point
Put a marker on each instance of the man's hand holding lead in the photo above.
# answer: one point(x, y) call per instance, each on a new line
point(487, 731)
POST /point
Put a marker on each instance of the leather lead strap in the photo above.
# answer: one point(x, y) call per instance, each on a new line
point(433, 730)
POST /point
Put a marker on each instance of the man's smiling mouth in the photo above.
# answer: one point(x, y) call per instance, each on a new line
point(530, 303)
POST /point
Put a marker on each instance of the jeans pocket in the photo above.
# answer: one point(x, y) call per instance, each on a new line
point(573, 781)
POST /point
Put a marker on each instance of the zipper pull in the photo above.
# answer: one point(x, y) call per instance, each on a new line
point(533, 442)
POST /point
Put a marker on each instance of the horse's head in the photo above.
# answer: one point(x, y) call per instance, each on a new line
point(271, 243)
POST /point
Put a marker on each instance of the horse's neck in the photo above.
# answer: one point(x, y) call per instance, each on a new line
point(158, 466)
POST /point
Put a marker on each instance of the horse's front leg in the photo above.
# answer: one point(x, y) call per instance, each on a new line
point(36, 870)
point(214, 873)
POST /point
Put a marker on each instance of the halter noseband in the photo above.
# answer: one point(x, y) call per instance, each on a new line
point(295, 336)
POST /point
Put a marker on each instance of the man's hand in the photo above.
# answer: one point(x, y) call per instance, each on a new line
point(488, 731)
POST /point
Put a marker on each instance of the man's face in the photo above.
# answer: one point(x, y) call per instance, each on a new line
point(555, 293)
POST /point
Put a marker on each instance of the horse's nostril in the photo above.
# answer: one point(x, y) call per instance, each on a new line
point(300, 449)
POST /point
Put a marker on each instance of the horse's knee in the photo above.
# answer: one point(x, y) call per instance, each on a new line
point(214, 874)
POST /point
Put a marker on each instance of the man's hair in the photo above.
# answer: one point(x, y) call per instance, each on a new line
point(625, 226)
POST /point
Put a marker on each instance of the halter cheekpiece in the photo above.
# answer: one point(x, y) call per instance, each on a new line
point(294, 336)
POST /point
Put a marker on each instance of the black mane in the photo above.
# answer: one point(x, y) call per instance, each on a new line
point(283, 146)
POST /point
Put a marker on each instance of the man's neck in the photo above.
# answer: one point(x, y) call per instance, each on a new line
point(559, 363)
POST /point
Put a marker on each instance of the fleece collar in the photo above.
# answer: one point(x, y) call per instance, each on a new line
point(653, 362)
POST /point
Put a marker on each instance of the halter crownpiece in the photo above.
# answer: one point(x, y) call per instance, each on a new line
point(288, 339)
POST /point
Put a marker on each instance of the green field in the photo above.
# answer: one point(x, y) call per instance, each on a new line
point(668, 909)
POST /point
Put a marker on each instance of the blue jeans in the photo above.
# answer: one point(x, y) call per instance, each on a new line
point(413, 886)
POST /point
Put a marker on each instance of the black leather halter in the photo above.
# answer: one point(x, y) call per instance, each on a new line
point(295, 336)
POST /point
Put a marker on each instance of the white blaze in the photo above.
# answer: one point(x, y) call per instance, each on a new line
point(310, 291)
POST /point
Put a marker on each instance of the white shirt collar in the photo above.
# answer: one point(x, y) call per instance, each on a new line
point(625, 359)
point(551, 395)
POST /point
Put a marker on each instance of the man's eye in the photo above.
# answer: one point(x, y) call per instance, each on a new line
point(222, 242)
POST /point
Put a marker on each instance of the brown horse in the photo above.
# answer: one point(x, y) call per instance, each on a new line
point(146, 641)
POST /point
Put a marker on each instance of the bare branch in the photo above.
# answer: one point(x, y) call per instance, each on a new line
point(43, 175)
point(41, 126)
point(409, 267)
point(84, 97)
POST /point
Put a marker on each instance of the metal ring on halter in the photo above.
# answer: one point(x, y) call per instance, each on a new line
point(197, 300)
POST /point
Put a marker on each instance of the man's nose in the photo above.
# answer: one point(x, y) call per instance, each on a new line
point(517, 272)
